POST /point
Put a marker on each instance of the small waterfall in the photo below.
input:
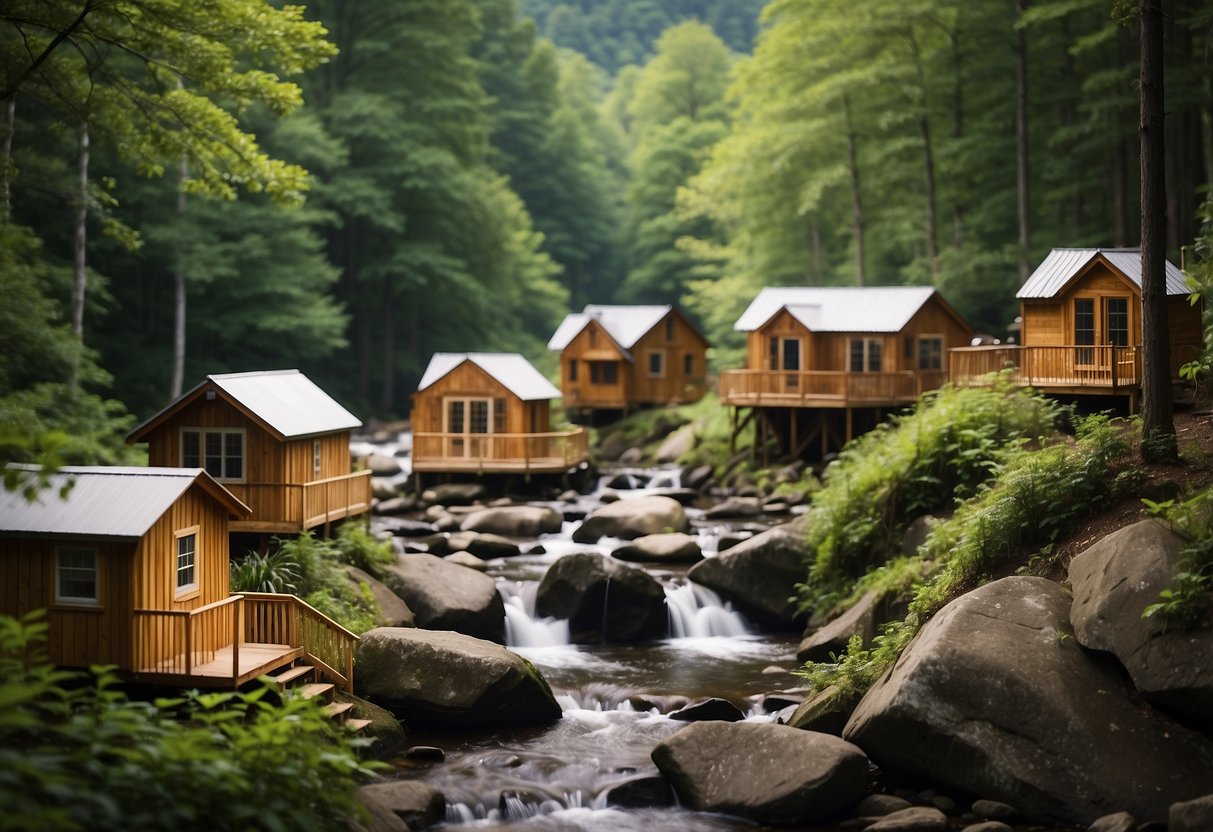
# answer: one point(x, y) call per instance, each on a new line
point(698, 612)
point(522, 629)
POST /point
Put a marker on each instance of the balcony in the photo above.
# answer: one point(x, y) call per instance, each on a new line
point(825, 388)
point(233, 641)
point(280, 507)
point(491, 453)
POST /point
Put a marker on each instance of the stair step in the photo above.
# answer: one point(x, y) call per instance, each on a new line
point(356, 724)
point(292, 673)
point(311, 689)
point(337, 710)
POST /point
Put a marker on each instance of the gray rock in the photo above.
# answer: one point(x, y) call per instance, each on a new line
point(995, 810)
point(1119, 822)
point(382, 466)
point(994, 697)
point(860, 619)
point(765, 772)
point(454, 493)
point(514, 521)
point(468, 560)
point(644, 792)
point(445, 596)
point(678, 444)
point(395, 505)
point(1113, 581)
point(1191, 815)
point(603, 600)
point(914, 819)
point(826, 711)
point(383, 488)
point(759, 575)
point(424, 753)
point(709, 709)
point(415, 804)
point(916, 534)
point(393, 611)
point(487, 546)
point(632, 456)
point(697, 477)
point(735, 507)
point(730, 539)
point(612, 446)
point(441, 679)
point(879, 805)
point(675, 547)
point(988, 826)
point(400, 527)
point(632, 518)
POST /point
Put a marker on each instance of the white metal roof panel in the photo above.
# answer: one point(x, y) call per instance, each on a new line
point(627, 324)
point(288, 401)
point(838, 308)
point(518, 375)
point(572, 324)
point(1062, 264)
point(109, 502)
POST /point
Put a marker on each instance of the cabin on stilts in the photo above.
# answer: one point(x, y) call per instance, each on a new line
point(131, 565)
point(827, 363)
point(274, 439)
point(1081, 328)
point(489, 413)
point(615, 359)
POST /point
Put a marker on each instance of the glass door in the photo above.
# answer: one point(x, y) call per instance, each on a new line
point(468, 424)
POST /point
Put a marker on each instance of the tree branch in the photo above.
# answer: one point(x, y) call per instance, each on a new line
point(11, 90)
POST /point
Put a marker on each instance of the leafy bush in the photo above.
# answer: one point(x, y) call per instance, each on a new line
point(274, 571)
point(77, 754)
point(358, 547)
point(1188, 601)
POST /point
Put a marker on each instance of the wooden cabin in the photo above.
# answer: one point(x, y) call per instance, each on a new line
point(274, 439)
point(825, 363)
point(489, 413)
point(131, 565)
point(618, 358)
point(1081, 327)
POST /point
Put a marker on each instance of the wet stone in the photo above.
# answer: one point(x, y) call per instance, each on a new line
point(720, 710)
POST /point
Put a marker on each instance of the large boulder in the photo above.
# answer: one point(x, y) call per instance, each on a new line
point(632, 518)
point(603, 600)
point(446, 596)
point(402, 804)
point(862, 619)
point(678, 444)
point(995, 697)
point(381, 465)
point(453, 493)
point(759, 575)
point(675, 547)
point(393, 611)
point(440, 679)
point(514, 521)
point(761, 771)
point(1113, 581)
point(1191, 815)
point(735, 507)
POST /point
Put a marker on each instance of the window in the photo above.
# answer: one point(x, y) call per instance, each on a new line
point(866, 354)
point(1084, 330)
point(498, 415)
point(454, 423)
point(187, 567)
point(572, 369)
point(1117, 312)
point(688, 364)
point(669, 328)
point(219, 450)
point(784, 354)
point(930, 352)
point(478, 416)
point(604, 372)
point(76, 575)
point(656, 364)
point(316, 457)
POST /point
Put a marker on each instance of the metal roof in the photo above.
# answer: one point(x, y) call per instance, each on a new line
point(517, 374)
point(1063, 264)
point(111, 502)
point(838, 308)
point(625, 324)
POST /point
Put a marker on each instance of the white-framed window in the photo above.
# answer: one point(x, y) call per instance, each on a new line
point(930, 352)
point(656, 363)
point(76, 577)
point(219, 450)
point(866, 355)
point(315, 457)
point(187, 560)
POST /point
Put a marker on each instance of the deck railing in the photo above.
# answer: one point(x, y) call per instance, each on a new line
point(1099, 367)
point(174, 642)
point(788, 388)
point(305, 505)
point(512, 451)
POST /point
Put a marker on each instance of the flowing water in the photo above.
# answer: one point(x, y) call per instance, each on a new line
point(613, 697)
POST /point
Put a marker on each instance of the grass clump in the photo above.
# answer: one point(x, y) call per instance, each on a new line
point(1188, 601)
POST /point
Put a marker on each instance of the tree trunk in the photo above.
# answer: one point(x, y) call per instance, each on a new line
point(80, 278)
point(857, 224)
point(1021, 141)
point(389, 349)
point(1158, 442)
point(958, 213)
point(178, 382)
point(1071, 95)
point(928, 162)
point(6, 159)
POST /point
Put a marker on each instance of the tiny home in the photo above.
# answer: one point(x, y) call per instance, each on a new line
point(131, 565)
point(274, 439)
point(489, 413)
point(820, 358)
point(1081, 326)
point(618, 358)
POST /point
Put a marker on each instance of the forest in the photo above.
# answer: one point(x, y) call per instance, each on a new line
point(348, 187)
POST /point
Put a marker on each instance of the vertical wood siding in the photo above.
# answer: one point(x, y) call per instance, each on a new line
point(469, 380)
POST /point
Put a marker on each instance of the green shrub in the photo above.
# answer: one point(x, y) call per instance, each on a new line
point(1188, 601)
point(274, 571)
point(77, 754)
point(358, 547)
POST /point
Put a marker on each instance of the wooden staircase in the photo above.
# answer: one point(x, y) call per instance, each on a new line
point(299, 678)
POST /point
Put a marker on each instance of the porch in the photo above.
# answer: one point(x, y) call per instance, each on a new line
point(825, 388)
point(290, 508)
point(491, 453)
point(231, 642)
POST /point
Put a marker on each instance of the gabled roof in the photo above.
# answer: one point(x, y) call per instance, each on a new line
point(625, 324)
point(285, 402)
point(111, 502)
point(513, 371)
point(838, 308)
point(1064, 264)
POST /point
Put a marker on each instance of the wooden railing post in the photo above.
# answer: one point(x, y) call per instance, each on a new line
point(237, 634)
point(189, 645)
point(1115, 360)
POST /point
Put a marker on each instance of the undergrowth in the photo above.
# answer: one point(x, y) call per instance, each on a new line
point(1188, 601)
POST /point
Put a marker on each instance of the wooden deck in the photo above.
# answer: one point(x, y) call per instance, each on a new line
point(824, 389)
point(490, 453)
point(290, 508)
point(227, 666)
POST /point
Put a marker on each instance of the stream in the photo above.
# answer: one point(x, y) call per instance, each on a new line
point(558, 777)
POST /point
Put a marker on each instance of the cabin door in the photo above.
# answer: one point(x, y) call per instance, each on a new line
point(785, 356)
point(1100, 325)
point(468, 422)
